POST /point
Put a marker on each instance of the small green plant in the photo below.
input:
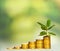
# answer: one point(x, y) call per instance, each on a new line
point(46, 28)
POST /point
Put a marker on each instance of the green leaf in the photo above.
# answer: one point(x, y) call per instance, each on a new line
point(43, 27)
point(40, 24)
point(51, 33)
point(48, 23)
point(51, 27)
point(43, 33)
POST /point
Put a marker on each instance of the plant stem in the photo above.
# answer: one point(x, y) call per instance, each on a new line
point(47, 32)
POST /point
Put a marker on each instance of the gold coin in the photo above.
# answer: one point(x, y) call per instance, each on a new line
point(39, 41)
point(9, 48)
point(31, 45)
point(16, 47)
point(24, 46)
point(39, 44)
point(47, 42)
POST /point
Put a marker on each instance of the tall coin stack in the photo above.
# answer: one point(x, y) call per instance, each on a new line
point(46, 41)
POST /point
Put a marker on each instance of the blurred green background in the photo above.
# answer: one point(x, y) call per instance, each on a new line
point(18, 18)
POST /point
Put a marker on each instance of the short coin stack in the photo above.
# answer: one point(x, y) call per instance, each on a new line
point(39, 44)
point(31, 45)
point(24, 46)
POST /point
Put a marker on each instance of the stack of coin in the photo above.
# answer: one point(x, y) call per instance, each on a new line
point(16, 47)
point(24, 46)
point(31, 45)
point(9, 48)
point(47, 42)
point(39, 44)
